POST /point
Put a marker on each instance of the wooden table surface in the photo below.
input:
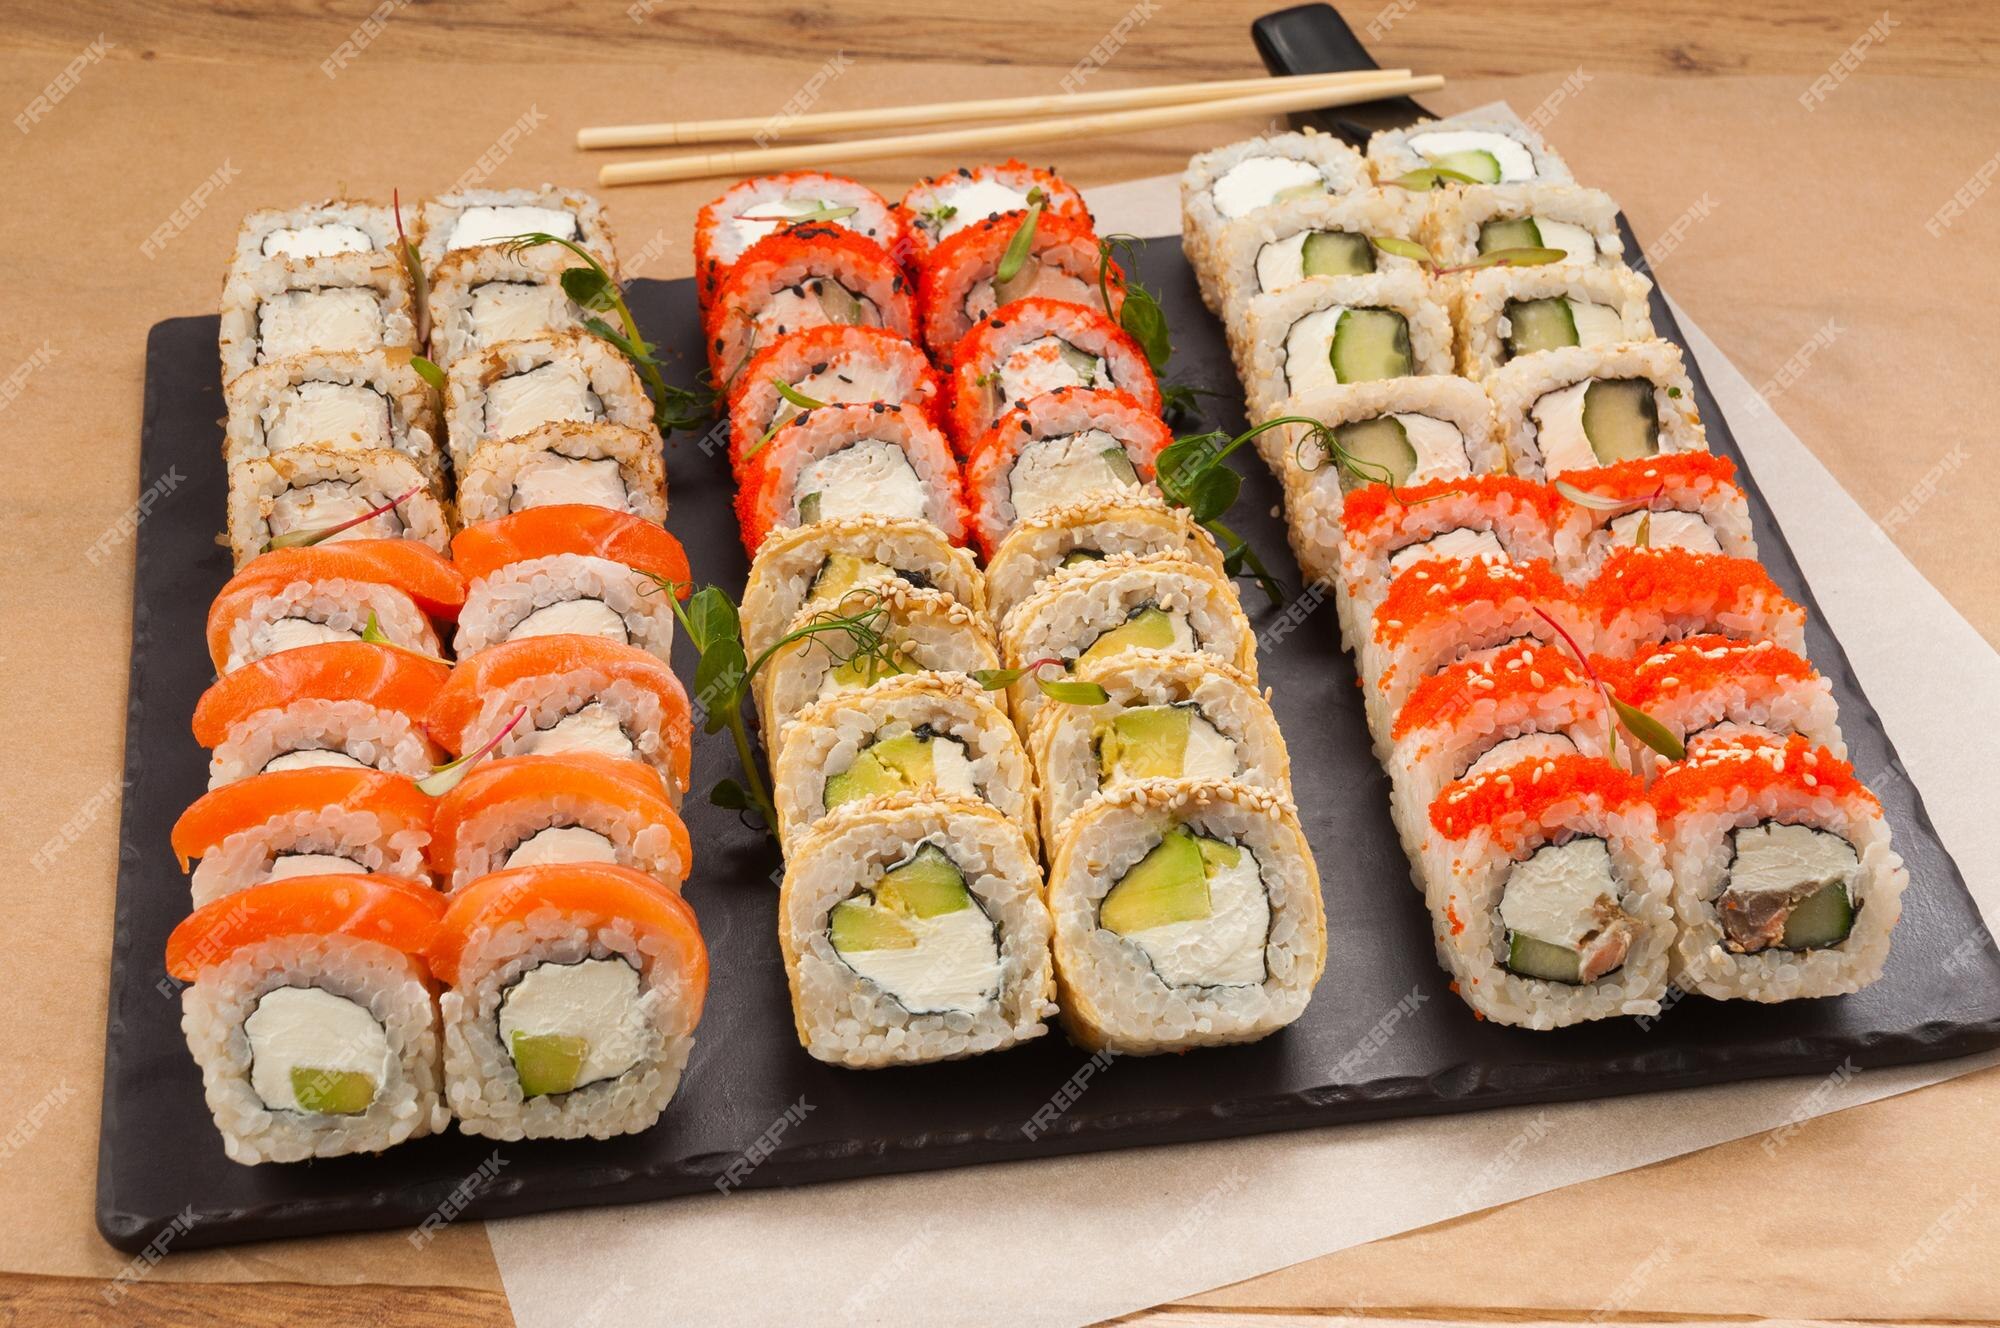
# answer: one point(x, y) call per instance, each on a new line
point(1464, 39)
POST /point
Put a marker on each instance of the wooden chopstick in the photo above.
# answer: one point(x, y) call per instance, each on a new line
point(763, 161)
point(937, 114)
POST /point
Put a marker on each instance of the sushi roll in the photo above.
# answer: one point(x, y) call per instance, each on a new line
point(960, 281)
point(1238, 182)
point(938, 208)
point(798, 279)
point(1038, 346)
point(1099, 609)
point(325, 821)
point(1187, 914)
point(1713, 689)
point(1588, 406)
point(313, 231)
point(1166, 715)
point(836, 463)
point(336, 494)
point(752, 209)
point(329, 592)
point(569, 570)
point(535, 811)
point(834, 365)
point(1687, 501)
point(1484, 151)
point(580, 694)
point(1319, 235)
point(1335, 330)
point(932, 735)
point(1644, 597)
point(1063, 447)
point(344, 302)
point(1466, 224)
point(472, 219)
point(1548, 893)
point(573, 995)
point(483, 296)
point(603, 465)
point(1504, 313)
point(311, 1015)
point(915, 932)
point(346, 401)
point(1784, 880)
point(344, 703)
point(1138, 523)
point(519, 386)
point(817, 566)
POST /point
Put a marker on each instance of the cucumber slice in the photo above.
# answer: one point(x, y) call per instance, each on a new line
point(1819, 920)
point(1621, 419)
point(1518, 233)
point(1081, 362)
point(1539, 325)
point(548, 1063)
point(1538, 959)
point(1336, 254)
point(1481, 166)
point(1017, 286)
point(838, 303)
point(1380, 444)
point(1120, 465)
point(808, 508)
point(1370, 344)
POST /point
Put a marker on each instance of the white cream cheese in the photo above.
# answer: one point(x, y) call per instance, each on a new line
point(1794, 860)
point(548, 478)
point(329, 503)
point(321, 241)
point(594, 728)
point(1224, 949)
point(1047, 363)
point(1559, 434)
point(548, 394)
point(348, 416)
point(1309, 351)
point(562, 843)
point(954, 965)
point(978, 199)
point(1209, 754)
point(865, 478)
point(1665, 530)
point(1516, 161)
point(287, 865)
point(758, 220)
point(1451, 545)
point(1065, 468)
point(1256, 182)
point(289, 634)
point(951, 771)
point(573, 617)
point(1577, 243)
point(511, 310)
point(312, 758)
point(1560, 895)
point(1513, 751)
point(1439, 445)
point(1596, 324)
point(306, 1028)
point(596, 1000)
point(485, 224)
point(294, 322)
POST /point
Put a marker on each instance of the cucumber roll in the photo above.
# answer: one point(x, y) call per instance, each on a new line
point(1548, 892)
point(1063, 447)
point(346, 401)
point(1483, 151)
point(1137, 523)
point(834, 365)
point(751, 209)
point(1464, 225)
point(798, 279)
point(915, 932)
point(489, 218)
point(313, 489)
point(1711, 689)
point(1583, 407)
point(315, 821)
point(1187, 914)
point(484, 296)
point(938, 208)
point(1687, 501)
point(1037, 346)
point(530, 811)
point(518, 386)
point(599, 465)
point(836, 463)
point(960, 281)
point(1504, 313)
point(816, 566)
point(1785, 882)
point(315, 231)
point(1239, 181)
point(1644, 597)
point(1332, 331)
point(344, 302)
point(1319, 235)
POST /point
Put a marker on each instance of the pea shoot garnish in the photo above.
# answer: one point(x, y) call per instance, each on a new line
point(446, 777)
point(1637, 722)
point(1067, 691)
point(305, 539)
point(1146, 323)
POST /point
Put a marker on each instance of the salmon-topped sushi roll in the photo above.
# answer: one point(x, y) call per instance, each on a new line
point(528, 811)
point(1063, 447)
point(975, 272)
point(1037, 346)
point(330, 592)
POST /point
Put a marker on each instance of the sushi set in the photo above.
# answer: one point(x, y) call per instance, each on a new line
point(971, 744)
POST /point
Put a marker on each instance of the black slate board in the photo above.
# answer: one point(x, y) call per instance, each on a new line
point(160, 1157)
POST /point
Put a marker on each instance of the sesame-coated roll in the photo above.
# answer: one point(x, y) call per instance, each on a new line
point(842, 462)
point(960, 282)
point(346, 302)
point(1338, 330)
point(1067, 446)
point(489, 218)
point(315, 231)
point(1483, 152)
point(347, 401)
point(1239, 181)
point(1468, 223)
point(519, 386)
point(1319, 235)
point(336, 495)
point(1583, 407)
point(817, 566)
point(1134, 522)
point(1504, 313)
point(798, 279)
point(483, 296)
point(598, 465)
point(1037, 346)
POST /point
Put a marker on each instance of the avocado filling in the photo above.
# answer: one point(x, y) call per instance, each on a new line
point(1597, 422)
point(569, 1025)
point(1162, 742)
point(1046, 364)
point(573, 617)
point(1147, 627)
point(1257, 182)
point(1486, 155)
point(1067, 468)
point(865, 670)
point(311, 1050)
point(841, 574)
point(1342, 345)
point(1561, 914)
point(1578, 244)
point(920, 936)
point(1196, 908)
point(1789, 887)
point(1282, 264)
point(919, 759)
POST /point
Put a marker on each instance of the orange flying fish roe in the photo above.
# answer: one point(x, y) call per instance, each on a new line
point(1701, 663)
point(1506, 800)
point(1666, 579)
point(1523, 668)
point(1636, 480)
point(1751, 765)
point(1429, 591)
point(1373, 505)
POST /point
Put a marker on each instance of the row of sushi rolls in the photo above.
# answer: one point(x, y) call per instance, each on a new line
point(1021, 766)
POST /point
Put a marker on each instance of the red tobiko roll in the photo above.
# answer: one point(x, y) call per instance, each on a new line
point(1036, 346)
point(801, 278)
point(961, 282)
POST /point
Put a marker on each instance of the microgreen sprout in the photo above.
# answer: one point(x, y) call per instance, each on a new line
point(1023, 241)
point(304, 539)
point(1518, 257)
point(797, 398)
point(445, 778)
point(1427, 178)
point(1067, 691)
point(818, 212)
point(413, 266)
point(1640, 724)
point(372, 633)
point(428, 371)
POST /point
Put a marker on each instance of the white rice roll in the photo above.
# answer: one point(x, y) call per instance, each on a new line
point(1690, 501)
point(310, 612)
point(519, 386)
point(323, 731)
point(1465, 223)
point(816, 566)
point(1505, 313)
point(482, 296)
point(479, 218)
point(1328, 331)
point(344, 302)
point(602, 465)
point(1239, 180)
point(313, 488)
point(566, 594)
point(1279, 246)
point(314, 231)
point(1137, 523)
point(843, 462)
point(1491, 151)
point(1545, 406)
point(346, 401)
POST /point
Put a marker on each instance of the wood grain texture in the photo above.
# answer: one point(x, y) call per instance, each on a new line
point(75, 1302)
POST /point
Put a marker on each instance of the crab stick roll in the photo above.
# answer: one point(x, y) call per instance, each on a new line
point(531, 811)
point(1589, 406)
point(1714, 689)
point(574, 992)
point(1647, 596)
point(915, 932)
point(836, 463)
point(328, 592)
point(1464, 225)
point(1099, 609)
point(1317, 235)
point(345, 302)
point(961, 283)
point(936, 209)
point(580, 694)
point(1504, 313)
point(602, 465)
point(1137, 522)
point(934, 735)
point(483, 296)
point(308, 822)
point(348, 401)
point(519, 386)
point(1237, 182)
point(798, 279)
point(750, 210)
point(818, 566)
point(1187, 914)
point(1166, 715)
point(1548, 892)
point(1483, 151)
point(476, 219)
point(569, 569)
point(311, 1015)
point(1785, 883)
point(1062, 447)
point(834, 365)
point(314, 231)
point(1038, 346)
point(343, 703)
point(1337, 330)
point(336, 495)
point(1688, 501)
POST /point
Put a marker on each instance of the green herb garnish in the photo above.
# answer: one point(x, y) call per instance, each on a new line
point(1642, 725)
point(303, 539)
point(372, 634)
point(818, 212)
point(1401, 248)
point(1066, 691)
point(1416, 253)
point(1024, 239)
point(428, 371)
point(797, 398)
point(939, 215)
point(1427, 178)
point(413, 267)
point(445, 778)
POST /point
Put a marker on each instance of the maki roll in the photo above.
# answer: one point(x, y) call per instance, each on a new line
point(327, 821)
point(1238, 182)
point(933, 735)
point(574, 991)
point(1038, 346)
point(817, 566)
point(483, 296)
point(1318, 235)
point(1336, 330)
point(1687, 501)
point(335, 495)
point(1466, 224)
point(602, 465)
point(1482, 151)
point(483, 218)
point(798, 279)
point(938, 208)
point(537, 811)
point(1136, 522)
point(1504, 313)
point(519, 386)
point(347, 401)
point(1584, 407)
point(314, 231)
point(1647, 596)
point(1548, 893)
point(1713, 689)
point(329, 592)
point(1187, 914)
point(833, 365)
point(836, 463)
point(750, 210)
point(569, 570)
point(1166, 715)
point(961, 282)
point(311, 1016)
point(1784, 881)
point(915, 932)
point(1063, 447)
point(344, 703)
point(344, 302)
